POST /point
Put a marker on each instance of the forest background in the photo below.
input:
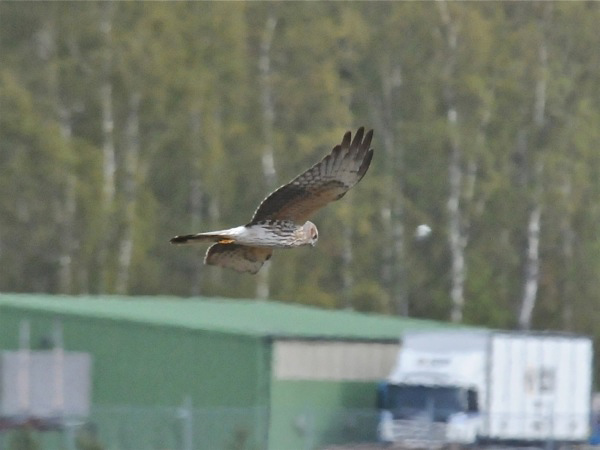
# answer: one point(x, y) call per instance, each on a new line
point(123, 124)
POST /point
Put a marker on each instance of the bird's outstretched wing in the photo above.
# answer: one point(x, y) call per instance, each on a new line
point(237, 257)
point(326, 181)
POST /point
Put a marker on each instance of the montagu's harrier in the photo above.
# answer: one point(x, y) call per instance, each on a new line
point(281, 220)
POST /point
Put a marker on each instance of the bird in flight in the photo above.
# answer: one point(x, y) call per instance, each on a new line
point(281, 220)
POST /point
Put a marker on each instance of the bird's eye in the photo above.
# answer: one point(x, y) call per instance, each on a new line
point(314, 233)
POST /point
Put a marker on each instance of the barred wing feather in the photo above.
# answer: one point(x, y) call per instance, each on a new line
point(326, 181)
point(237, 257)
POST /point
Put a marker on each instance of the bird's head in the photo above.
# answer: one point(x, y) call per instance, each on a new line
point(311, 234)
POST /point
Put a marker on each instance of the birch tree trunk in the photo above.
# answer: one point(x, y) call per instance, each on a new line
point(532, 256)
point(532, 266)
point(106, 101)
point(347, 278)
point(393, 272)
point(568, 242)
point(67, 216)
point(196, 199)
point(132, 150)
point(108, 147)
point(214, 198)
point(268, 116)
point(66, 203)
point(68, 243)
point(456, 235)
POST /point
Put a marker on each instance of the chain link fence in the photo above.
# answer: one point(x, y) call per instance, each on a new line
point(143, 428)
point(188, 428)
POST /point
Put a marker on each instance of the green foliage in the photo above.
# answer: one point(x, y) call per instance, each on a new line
point(333, 67)
point(87, 438)
point(23, 439)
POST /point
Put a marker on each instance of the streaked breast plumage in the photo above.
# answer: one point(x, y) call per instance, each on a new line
point(281, 220)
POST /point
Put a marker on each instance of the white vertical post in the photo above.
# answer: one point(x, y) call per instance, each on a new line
point(186, 415)
point(58, 360)
point(23, 379)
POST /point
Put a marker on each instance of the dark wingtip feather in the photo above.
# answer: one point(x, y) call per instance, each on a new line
point(346, 140)
point(363, 146)
point(367, 140)
point(358, 137)
point(180, 239)
point(365, 164)
point(336, 151)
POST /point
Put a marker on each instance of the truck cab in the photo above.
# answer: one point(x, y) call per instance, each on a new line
point(423, 414)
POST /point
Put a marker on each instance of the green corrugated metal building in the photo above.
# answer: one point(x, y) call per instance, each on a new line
point(262, 365)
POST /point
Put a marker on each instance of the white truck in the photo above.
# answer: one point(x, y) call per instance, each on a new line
point(478, 386)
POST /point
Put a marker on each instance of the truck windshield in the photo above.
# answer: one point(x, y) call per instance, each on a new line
point(407, 401)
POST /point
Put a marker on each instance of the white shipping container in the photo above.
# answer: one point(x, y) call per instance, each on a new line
point(539, 387)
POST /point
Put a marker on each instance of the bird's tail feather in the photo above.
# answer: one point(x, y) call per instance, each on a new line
point(200, 238)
